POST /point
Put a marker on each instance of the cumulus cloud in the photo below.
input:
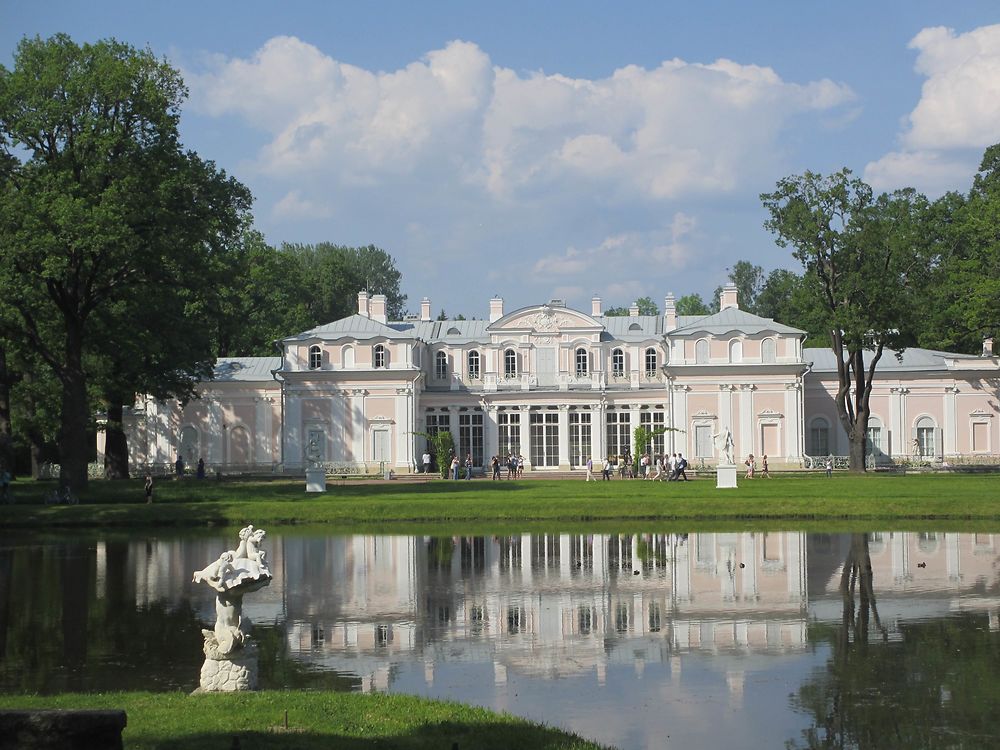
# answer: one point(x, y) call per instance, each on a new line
point(652, 134)
point(957, 116)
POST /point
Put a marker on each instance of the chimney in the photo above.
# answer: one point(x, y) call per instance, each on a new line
point(363, 303)
point(633, 310)
point(425, 309)
point(728, 297)
point(669, 312)
point(595, 306)
point(988, 347)
point(496, 308)
point(378, 308)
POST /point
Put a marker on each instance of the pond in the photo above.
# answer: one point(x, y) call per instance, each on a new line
point(764, 639)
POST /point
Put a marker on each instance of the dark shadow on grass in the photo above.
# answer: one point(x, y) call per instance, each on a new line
point(485, 736)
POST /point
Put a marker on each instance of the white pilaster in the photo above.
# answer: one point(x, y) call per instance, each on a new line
point(747, 419)
point(679, 440)
point(491, 435)
point(563, 436)
point(725, 411)
point(359, 425)
point(524, 428)
point(900, 445)
point(598, 431)
point(792, 421)
point(634, 411)
point(404, 430)
point(262, 430)
point(293, 430)
point(950, 420)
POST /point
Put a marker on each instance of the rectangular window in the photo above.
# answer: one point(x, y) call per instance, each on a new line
point(579, 437)
point(437, 423)
point(509, 432)
point(544, 438)
point(819, 441)
point(703, 446)
point(470, 437)
point(980, 437)
point(925, 441)
point(619, 439)
point(652, 420)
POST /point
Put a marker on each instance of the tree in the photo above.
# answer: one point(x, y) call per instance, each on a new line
point(864, 256)
point(441, 446)
point(616, 312)
point(645, 304)
point(692, 304)
point(100, 205)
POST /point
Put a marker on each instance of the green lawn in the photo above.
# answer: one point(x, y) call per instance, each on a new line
point(486, 504)
point(315, 720)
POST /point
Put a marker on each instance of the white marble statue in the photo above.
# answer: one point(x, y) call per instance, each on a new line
point(230, 662)
point(724, 445)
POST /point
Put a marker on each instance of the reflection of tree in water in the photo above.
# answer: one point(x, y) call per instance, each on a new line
point(933, 685)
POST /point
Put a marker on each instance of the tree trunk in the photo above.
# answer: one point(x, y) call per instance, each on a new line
point(857, 455)
point(115, 442)
point(6, 427)
point(73, 449)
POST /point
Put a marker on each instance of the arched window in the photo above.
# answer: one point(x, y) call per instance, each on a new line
point(347, 357)
point(701, 352)
point(379, 356)
point(315, 357)
point(441, 365)
point(926, 444)
point(650, 362)
point(510, 364)
point(617, 363)
point(474, 364)
point(819, 437)
point(635, 327)
point(767, 351)
point(736, 351)
point(582, 361)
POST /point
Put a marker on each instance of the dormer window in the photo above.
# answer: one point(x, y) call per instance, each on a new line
point(767, 351)
point(650, 362)
point(701, 352)
point(582, 362)
point(617, 363)
point(454, 331)
point(510, 363)
point(441, 365)
point(379, 357)
point(315, 357)
point(474, 365)
point(635, 327)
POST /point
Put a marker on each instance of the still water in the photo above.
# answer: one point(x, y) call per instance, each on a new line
point(638, 640)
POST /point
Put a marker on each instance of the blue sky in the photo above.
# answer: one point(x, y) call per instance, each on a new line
point(559, 149)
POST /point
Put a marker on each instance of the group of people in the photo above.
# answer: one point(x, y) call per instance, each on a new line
point(179, 467)
point(671, 466)
point(751, 464)
point(514, 462)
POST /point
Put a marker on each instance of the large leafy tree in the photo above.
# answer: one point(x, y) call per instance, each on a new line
point(100, 206)
point(692, 304)
point(864, 255)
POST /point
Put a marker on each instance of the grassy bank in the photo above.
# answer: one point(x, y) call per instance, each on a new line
point(938, 497)
point(315, 720)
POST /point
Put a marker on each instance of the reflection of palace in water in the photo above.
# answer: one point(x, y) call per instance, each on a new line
point(563, 604)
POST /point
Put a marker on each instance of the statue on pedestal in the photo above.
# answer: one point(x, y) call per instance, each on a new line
point(230, 656)
point(724, 445)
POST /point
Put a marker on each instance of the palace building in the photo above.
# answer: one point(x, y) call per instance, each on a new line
point(559, 386)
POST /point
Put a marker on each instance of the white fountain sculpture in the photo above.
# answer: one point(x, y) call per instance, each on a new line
point(230, 655)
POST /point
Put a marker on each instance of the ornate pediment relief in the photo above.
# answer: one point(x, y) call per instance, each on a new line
point(545, 319)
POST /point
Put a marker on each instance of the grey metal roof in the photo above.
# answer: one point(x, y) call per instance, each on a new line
point(633, 328)
point(356, 326)
point(245, 369)
point(731, 319)
point(914, 359)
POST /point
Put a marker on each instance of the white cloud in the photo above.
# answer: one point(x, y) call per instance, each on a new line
point(648, 134)
point(957, 116)
point(294, 206)
point(960, 101)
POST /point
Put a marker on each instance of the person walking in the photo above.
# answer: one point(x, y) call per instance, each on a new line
point(764, 472)
point(454, 468)
point(520, 465)
point(590, 470)
point(149, 489)
point(829, 466)
point(511, 466)
point(200, 472)
point(658, 474)
point(751, 465)
point(607, 469)
point(179, 466)
point(468, 466)
point(426, 460)
point(495, 463)
point(682, 465)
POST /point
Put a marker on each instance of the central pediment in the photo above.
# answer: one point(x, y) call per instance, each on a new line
point(545, 319)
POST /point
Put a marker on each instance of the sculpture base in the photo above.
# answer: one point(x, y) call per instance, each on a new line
point(315, 480)
point(228, 674)
point(725, 477)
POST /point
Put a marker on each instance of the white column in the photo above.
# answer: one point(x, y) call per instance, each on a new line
point(792, 421)
point(747, 419)
point(293, 430)
point(634, 411)
point(563, 436)
point(525, 430)
point(491, 435)
point(900, 435)
point(950, 420)
point(358, 425)
point(679, 440)
point(598, 431)
point(262, 430)
point(404, 430)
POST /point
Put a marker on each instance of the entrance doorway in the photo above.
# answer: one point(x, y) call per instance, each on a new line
point(544, 439)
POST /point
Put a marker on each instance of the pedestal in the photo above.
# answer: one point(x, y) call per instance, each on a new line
point(725, 477)
point(232, 673)
point(315, 480)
